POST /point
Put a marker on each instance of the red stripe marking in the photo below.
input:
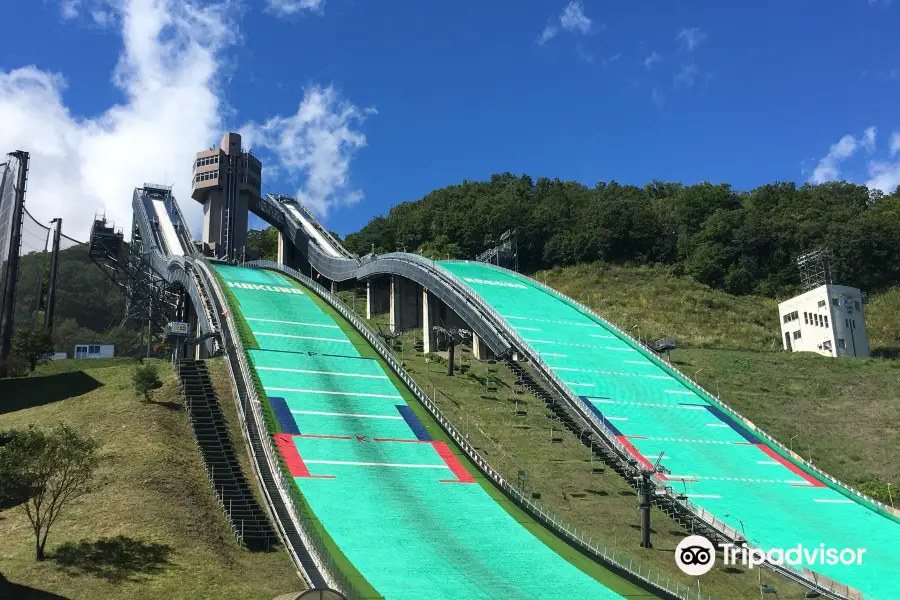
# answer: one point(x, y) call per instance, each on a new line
point(794, 468)
point(462, 476)
point(634, 451)
point(402, 441)
point(323, 437)
point(296, 466)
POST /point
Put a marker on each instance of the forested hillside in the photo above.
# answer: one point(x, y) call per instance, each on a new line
point(741, 241)
point(89, 308)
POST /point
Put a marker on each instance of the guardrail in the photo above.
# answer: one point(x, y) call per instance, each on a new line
point(609, 557)
point(802, 576)
point(315, 545)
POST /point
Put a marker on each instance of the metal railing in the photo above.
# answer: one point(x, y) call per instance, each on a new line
point(610, 557)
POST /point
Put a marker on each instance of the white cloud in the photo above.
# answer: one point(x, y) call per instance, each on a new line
point(651, 60)
point(868, 141)
point(69, 8)
point(687, 75)
point(828, 167)
point(895, 143)
point(882, 174)
point(571, 19)
point(285, 8)
point(167, 71)
point(690, 37)
point(658, 98)
point(317, 142)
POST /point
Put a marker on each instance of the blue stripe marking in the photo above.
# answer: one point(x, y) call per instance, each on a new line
point(597, 412)
point(410, 417)
point(284, 416)
point(740, 430)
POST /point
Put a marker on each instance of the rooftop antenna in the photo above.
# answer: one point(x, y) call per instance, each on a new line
point(815, 268)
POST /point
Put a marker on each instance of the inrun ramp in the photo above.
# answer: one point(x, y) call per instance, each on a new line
point(409, 515)
point(720, 464)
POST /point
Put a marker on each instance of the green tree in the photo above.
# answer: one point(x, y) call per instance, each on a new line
point(35, 345)
point(146, 379)
point(52, 469)
point(263, 243)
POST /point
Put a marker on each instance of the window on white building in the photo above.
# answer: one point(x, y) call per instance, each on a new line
point(821, 303)
point(826, 320)
point(842, 344)
point(797, 335)
point(806, 318)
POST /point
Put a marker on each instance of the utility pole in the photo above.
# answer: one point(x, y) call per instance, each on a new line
point(51, 284)
point(12, 266)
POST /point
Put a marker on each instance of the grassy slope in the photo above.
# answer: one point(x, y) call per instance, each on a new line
point(154, 492)
point(602, 505)
point(843, 412)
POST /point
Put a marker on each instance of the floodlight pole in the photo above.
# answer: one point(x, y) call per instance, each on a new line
point(645, 509)
point(51, 283)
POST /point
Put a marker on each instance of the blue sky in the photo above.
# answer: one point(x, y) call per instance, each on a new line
point(361, 105)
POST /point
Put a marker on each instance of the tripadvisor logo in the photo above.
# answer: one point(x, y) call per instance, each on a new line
point(695, 555)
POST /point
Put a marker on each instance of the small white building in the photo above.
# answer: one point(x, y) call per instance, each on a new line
point(828, 320)
point(95, 350)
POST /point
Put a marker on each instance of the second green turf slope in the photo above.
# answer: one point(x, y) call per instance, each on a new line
point(739, 481)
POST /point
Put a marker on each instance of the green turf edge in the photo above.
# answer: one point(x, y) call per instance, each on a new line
point(360, 586)
point(727, 410)
point(585, 564)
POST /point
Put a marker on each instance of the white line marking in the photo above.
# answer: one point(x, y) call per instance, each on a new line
point(605, 402)
point(372, 464)
point(687, 393)
point(657, 376)
point(303, 337)
point(684, 477)
point(565, 369)
point(693, 407)
point(337, 414)
point(299, 391)
point(833, 501)
point(322, 372)
point(615, 418)
point(767, 462)
point(703, 496)
point(638, 362)
point(552, 354)
point(520, 328)
point(717, 425)
point(605, 337)
point(574, 383)
point(553, 321)
point(291, 322)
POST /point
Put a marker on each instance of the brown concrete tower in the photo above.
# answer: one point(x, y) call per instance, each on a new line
point(227, 182)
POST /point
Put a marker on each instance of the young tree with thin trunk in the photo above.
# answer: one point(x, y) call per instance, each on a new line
point(53, 468)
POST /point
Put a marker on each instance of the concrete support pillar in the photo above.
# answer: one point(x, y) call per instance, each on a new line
point(280, 258)
point(430, 312)
point(405, 304)
point(370, 299)
point(395, 303)
point(479, 348)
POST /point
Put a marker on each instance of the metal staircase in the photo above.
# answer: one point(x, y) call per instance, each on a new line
point(247, 519)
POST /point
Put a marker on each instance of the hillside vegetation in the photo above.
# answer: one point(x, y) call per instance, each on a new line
point(740, 241)
point(152, 529)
